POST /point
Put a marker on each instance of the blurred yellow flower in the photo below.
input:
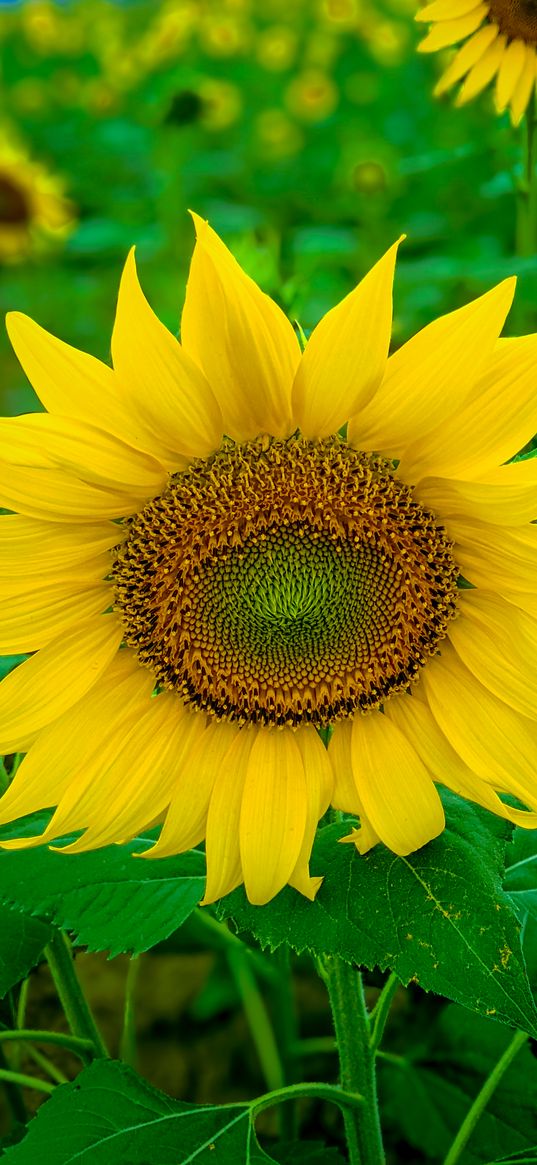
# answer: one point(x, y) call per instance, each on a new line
point(500, 42)
point(312, 95)
point(223, 36)
point(276, 47)
point(278, 136)
point(221, 103)
point(33, 208)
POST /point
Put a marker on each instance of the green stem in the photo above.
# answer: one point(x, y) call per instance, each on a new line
point(479, 1104)
point(127, 1044)
point(51, 1069)
point(72, 998)
point(526, 234)
point(356, 1059)
point(258, 1019)
point(14, 1095)
point(381, 1011)
point(331, 1092)
point(24, 1081)
point(36, 1036)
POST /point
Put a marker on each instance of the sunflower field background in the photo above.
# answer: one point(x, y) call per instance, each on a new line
point(305, 131)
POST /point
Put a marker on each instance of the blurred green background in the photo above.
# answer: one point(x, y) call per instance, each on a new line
point(305, 130)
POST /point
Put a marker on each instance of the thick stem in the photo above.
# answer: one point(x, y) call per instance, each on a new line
point(72, 999)
point(478, 1107)
point(356, 1059)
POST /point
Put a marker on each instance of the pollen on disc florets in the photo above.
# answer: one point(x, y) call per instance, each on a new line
point(283, 582)
point(516, 19)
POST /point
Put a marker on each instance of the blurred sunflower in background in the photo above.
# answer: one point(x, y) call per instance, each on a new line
point(215, 581)
point(500, 39)
point(34, 211)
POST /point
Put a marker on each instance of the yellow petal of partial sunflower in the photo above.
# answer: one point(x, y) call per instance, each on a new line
point(496, 557)
point(504, 497)
point(346, 794)
point(28, 585)
point(428, 379)
point(345, 357)
point(482, 72)
point(500, 747)
point(445, 10)
point(397, 792)
point(525, 86)
point(415, 720)
point(319, 788)
point(224, 871)
point(39, 440)
point(59, 497)
point(29, 546)
point(465, 447)
point(186, 818)
point(29, 621)
point(138, 784)
point(509, 73)
point(273, 814)
point(73, 384)
point(241, 339)
point(44, 686)
point(466, 58)
point(80, 734)
point(165, 387)
point(498, 644)
point(448, 32)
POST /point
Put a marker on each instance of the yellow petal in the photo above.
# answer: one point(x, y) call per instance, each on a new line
point(319, 788)
point(241, 339)
point(345, 794)
point(224, 870)
point(273, 814)
point(396, 790)
point(496, 742)
point(466, 58)
point(445, 10)
point(525, 86)
point(73, 384)
point(498, 644)
point(483, 72)
point(414, 718)
point(465, 447)
point(428, 379)
point(166, 388)
point(67, 746)
point(28, 621)
point(27, 584)
point(40, 441)
point(346, 354)
point(57, 496)
point(44, 686)
point(496, 557)
point(504, 497)
point(29, 546)
point(448, 32)
point(509, 73)
point(186, 818)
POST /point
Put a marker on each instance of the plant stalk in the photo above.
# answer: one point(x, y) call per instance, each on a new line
point(480, 1103)
point(72, 998)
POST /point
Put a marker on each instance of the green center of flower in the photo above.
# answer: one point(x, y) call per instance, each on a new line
point(515, 18)
point(281, 582)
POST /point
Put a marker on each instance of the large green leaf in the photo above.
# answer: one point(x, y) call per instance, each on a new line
point(110, 899)
point(22, 939)
point(438, 917)
point(110, 1116)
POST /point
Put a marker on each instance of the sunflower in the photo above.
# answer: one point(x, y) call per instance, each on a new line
point(32, 206)
point(214, 580)
point(500, 41)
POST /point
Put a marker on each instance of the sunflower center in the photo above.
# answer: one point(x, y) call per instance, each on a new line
point(283, 582)
point(13, 205)
point(515, 18)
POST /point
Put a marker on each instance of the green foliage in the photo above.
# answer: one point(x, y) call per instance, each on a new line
point(439, 917)
point(110, 1116)
point(22, 939)
point(109, 899)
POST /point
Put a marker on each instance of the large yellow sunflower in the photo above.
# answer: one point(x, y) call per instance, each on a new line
point(209, 573)
point(500, 42)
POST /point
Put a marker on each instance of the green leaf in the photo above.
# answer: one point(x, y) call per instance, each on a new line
point(110, 1116)
point(21, 941)
point(438, 917)
point(109, 899)
point(429, 1097)
point(527, 1157)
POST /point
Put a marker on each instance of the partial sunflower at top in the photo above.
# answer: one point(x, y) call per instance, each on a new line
point(500, 41)
point(33, 209)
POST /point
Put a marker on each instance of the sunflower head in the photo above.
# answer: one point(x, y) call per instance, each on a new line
point(33, 210)
point(210, 567)
point(499, 42)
